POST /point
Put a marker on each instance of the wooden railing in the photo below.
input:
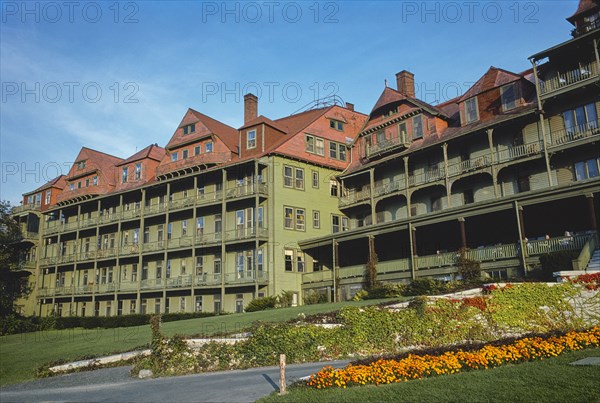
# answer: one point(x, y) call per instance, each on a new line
point(540, 247)
point(565, 79)
point(317, 277)
point(469, 165)
point(386, 145)
point(200, 159)
point(354, 196)
point(586, 253)
point(26, 207)
point(576, 133)
point(520, 151)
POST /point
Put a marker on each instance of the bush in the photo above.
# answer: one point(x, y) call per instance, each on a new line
point(260, 304)
point(469, 269)
point(425, 286)
point(13, 324)
point(285, 299)
point(387, 290)
point(312, 297)
point(553, 262)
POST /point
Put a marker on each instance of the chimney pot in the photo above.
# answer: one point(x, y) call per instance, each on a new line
point(405, 82)
point(250, 107)
point(350, 106)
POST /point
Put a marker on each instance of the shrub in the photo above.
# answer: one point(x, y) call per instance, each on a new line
point(313, 297)
point(285, 299)
point(260, 304)
point(387, 290)
point(424, 286)
point(553, 262)
point(13, 324)
point(469, 269)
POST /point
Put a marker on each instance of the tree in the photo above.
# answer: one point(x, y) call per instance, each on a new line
point(370, 281)
point(13, 280)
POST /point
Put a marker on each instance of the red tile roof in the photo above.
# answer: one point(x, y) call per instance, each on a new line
point(153, 151)
point(58, 182)
point(226, 133)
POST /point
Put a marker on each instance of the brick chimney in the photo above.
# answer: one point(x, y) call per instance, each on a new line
point(350, 106)
point(405, 81)
point(250, 107)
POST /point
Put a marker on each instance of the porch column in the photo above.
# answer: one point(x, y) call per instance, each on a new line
point(372, 192)
point(522, 244)
point(592, 211)
point(542, 122)
point(522, 222)
point(335, 257)
point(463, 233)
point(446, 180)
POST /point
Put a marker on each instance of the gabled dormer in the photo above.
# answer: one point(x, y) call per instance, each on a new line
point(198, 142)
point(139, 168)
point(398, 119)
point(93, 173)
point(497, 92)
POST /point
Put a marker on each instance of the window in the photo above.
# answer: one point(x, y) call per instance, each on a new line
point(315, 179)
point(169, 230)
point(402, 131)
point(217, 304)
point(146, 234)
point(587, 169)
point(287, 176)
point(471, 112)
point(299, 184)
point(157, 305)
point(189, 129)
point(174, 156)
point(217, 266)
point(87, 182)
point(95, 180)
point(159, 270)
point(336, 124)
point(339, 223)
point(124, 175)
point(168, 272)
point(72, 186)
point(508, 94)
point(288, 218)
point(468, 196)
point(581, 119)
point(218, 225)
point(81, 164)
point(208, 147)
point(310, 144)
point(319, 146)
point(337, 151)
point(184, 228)
point(198, 305)
point(300, 219)
point(251, 139)
point(259, 260)
point(184, 154)
point(417, 127)
point(197, 150)
point(182, 304)
point(300, 262)
point(138, 171)
point(48, 196)
point(199, 265)
point(79, 185)
point(316, 219)
point(289, 260)
point(200, 226)
point(333, 187)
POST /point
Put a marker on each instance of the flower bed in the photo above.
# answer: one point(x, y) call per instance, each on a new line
point(417, 367)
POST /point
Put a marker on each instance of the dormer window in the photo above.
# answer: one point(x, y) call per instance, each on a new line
point(95, 180)
point(81, 164)
point(209, 147)
point(251, 139)
point(508, 94)
point(471, 112)
point(125, 174)
point(336, 124)
point(189, 129)
point(72, 186)
point(174, 156)
point(138, 171)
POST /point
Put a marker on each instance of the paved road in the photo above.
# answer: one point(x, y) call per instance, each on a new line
point(115, 385)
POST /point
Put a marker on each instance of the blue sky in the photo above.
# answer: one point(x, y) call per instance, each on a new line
point(118, 76)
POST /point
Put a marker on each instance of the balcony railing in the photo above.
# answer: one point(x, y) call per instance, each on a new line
point(386, 145)
point(585, 28)
point(200, 159)
point(180, 242)
point(354, 196)
point(317, 277)
point(390, 187)
point(155, 208)
point(568, 78)
point(520, 151)
point(63, 290)
point(245, 233)
point(67, 258)
point(428, 175)
point(26, 207)
point(109, 218)
point(469, 165)
point(180, 281)
point(128, 250)
point(208, 238)
point(247, 189)
point(576, 133)
point(244, 277)
point(128, 286)
point(131, 213)
point(151, 284)
point(208, 279)
point(106, 253)
point(107, 287)
point(153, 246)
point(540, 247)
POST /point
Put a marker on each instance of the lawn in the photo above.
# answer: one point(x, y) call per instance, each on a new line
point(21, 354)
point(550, 380)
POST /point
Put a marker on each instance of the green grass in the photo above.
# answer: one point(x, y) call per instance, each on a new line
point(22, 354)
point(550, 380)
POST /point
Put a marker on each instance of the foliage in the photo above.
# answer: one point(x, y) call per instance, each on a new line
point(313, 297)
point(425, 286)
point(13, 281)
point(370, 278)
point(285, 299)
point(421, 366)
point(260, 304)
point(590, 281)
point(534, 307)
point(13, 324)
point(468, 269)
point(553, 262)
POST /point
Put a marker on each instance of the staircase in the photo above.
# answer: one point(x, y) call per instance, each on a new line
point(594, 263)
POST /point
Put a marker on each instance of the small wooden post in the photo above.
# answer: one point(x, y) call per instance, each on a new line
point(282, 383)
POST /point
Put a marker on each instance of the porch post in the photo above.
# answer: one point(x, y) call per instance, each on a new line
point(412, 238)
point(463, 233)
point(592, 211)
point(334, 268)
point(542, 123)
point(520, 229)
point(522, 222)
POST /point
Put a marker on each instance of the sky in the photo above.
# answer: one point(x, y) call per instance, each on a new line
point(118, 76)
